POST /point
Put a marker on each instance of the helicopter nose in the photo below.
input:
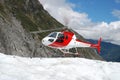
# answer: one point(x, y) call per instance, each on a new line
point(46, 41)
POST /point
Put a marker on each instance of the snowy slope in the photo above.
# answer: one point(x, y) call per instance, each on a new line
point(18, 68)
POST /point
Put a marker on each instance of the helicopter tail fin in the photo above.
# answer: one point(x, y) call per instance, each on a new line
point(98, 45)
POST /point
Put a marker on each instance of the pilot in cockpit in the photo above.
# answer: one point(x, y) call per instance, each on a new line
point(60, 38)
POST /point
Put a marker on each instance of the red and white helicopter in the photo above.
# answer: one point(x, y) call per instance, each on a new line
point(65, 40)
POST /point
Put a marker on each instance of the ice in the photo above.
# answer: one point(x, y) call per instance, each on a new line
point(21, 68)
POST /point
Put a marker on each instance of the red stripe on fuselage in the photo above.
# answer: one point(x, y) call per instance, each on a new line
point(66, 40)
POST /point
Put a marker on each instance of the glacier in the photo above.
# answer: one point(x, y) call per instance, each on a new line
point(22, 68)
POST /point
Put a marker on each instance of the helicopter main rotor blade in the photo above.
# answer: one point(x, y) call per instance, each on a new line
point(41, 31)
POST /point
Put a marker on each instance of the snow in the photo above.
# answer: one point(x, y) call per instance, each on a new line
point(21, 68)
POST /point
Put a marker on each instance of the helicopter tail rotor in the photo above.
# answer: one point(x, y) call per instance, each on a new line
point(98, 45)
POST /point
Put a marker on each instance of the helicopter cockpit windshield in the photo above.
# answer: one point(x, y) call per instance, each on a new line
point(53, 35)
point(59, 37)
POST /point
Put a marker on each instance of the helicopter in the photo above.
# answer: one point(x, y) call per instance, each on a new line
point(65, 40)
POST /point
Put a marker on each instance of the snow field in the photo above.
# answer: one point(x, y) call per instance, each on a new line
point(19, 68)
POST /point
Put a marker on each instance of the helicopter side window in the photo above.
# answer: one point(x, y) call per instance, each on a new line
point(54, 34)
point(60, 38)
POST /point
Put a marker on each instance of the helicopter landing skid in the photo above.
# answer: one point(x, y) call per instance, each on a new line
point(67, 53)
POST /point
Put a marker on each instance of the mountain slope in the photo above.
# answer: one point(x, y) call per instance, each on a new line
point(18, 18)
point(19, 68)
